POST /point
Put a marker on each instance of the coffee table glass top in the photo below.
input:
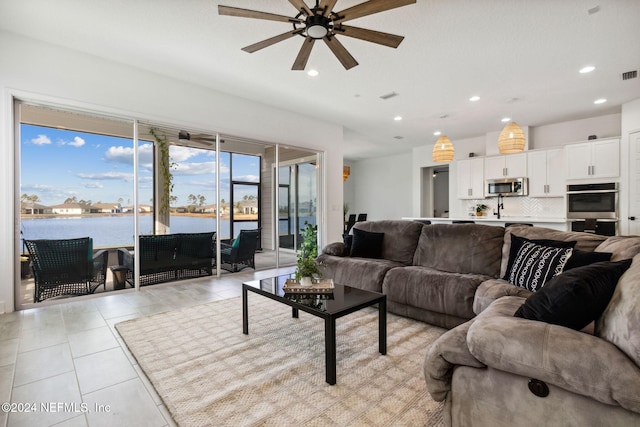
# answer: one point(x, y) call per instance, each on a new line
point(342, 298)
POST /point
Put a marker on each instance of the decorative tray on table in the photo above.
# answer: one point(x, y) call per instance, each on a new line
point(318, 286)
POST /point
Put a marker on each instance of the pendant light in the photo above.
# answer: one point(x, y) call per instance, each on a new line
point(443, 150)
point(511, 139)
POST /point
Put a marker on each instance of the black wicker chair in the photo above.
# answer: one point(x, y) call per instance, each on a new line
point(66, 267)
point(169, 257)
point(241, 253)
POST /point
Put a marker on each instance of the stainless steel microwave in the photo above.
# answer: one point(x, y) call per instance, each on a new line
point(507, 187)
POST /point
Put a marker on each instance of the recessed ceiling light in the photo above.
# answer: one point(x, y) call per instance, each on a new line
point(436, 133)
point(600, 101)
point(505, 119)
point(474, 98)
point(312, 73)
point(587, 69)
point(397, 118)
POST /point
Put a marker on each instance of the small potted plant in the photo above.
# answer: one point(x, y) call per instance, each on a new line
point(480, 207)
point(307, 254)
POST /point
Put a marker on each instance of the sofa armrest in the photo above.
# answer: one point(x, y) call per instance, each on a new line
point(335, 248)
point(449, 350)
point(581, 363)
point(493, 289)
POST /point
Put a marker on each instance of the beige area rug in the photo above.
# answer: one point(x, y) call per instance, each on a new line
point(208, 372)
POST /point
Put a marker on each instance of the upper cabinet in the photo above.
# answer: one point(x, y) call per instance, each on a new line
point(470, 174)
point(594, 159)
point(508, 166)
point(546, 173)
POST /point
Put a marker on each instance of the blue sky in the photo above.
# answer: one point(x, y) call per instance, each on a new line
point(58, 164)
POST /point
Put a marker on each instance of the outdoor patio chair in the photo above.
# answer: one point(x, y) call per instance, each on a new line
point(66, 267)
point(241, 253)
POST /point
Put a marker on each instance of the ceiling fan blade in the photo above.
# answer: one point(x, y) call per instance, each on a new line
point(246, 13)
point(340, 52)
point(301, 6)
point(273, 40)
point(328, 6)
point(370, 7)
point(303, 55)
point(372, 36)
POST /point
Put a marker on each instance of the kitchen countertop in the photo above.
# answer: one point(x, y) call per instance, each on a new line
point(492, 218)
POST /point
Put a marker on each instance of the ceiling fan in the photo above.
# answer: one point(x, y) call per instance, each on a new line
point(321, 22)
point(201, 138)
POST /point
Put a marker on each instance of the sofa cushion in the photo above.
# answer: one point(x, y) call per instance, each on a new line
point(517, 242)
point(461, 248)
point(533, 265)
point(362, 273)
point(620, 322)
point(575, 297)
point(405, 238)
point(622, 247)
point(584, 241)
point(580, 258)
point(433, 290)
point(366, 244)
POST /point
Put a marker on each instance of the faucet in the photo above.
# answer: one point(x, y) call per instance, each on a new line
point(500, 205)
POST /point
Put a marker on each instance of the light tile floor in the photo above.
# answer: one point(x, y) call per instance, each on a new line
point(66, 365)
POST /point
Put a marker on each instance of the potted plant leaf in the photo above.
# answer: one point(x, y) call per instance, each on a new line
point(480, 207)
point(307, 268)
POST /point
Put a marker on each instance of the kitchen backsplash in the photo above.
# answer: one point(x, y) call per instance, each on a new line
point(551, 207)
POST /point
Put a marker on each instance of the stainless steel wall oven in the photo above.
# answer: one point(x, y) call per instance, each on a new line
point(593, 207)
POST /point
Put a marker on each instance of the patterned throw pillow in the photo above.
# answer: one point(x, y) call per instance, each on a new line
point(535, 264)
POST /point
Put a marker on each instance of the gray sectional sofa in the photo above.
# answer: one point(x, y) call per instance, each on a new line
point(491, 368)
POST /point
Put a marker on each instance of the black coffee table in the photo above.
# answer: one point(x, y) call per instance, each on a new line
point(343, 301)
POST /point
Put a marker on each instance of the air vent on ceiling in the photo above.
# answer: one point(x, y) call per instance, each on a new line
point(630, 75)
point(389, 95)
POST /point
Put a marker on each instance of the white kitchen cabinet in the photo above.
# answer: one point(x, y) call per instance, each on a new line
point(546, 173)
point(594, 159)
point(508, 166)
point(470, 174)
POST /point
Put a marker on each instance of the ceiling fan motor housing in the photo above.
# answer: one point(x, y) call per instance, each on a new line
point(317, 26)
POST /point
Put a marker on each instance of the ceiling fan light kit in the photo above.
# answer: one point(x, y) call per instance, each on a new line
point(511, 139)
point(321, 22)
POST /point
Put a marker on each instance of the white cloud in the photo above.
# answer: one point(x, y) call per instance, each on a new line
point(77, 142)
point(248, 178)
point(125, 154)
point(181, 154)
point(122, 176)
point(194, 168)
point(92, 185)
point(41, 140)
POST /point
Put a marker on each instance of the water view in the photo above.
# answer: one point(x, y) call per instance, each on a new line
point(117, 230)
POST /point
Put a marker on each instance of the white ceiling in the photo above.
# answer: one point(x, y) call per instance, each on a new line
point(497, 49)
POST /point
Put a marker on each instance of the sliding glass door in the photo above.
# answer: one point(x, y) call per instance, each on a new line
point(298, 200)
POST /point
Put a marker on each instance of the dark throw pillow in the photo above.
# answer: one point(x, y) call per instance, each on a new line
point(535, 264)
point(366, 244)
point(347, 240)
point(576, 297)
point(517, 242)
point(580, 258)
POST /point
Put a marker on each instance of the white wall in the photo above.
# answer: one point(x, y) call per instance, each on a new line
point(40, 72)
point(630, 123)
point(576, 130)
point(381, 187)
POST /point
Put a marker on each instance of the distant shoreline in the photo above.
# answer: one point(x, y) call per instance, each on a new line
point(237, 217)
